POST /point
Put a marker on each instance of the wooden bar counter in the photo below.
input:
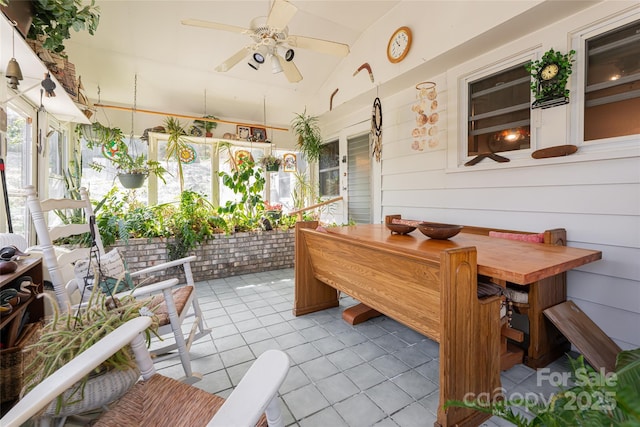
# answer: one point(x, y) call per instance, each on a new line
point(430, 286)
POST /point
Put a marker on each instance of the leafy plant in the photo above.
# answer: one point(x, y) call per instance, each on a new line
point(270, 162)
point(309, 136)
point(193, 222)
point(176, 143)
point(206, 125)
point(596, 399)
point(247, 183)
point(54, 19)
point(111, 140)
point(556, 87)
point(69, 334)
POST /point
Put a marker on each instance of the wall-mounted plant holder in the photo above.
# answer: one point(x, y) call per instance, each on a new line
point(550, 75)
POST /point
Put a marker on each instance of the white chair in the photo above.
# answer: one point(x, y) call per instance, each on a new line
point(158, 400)
point(172, 299)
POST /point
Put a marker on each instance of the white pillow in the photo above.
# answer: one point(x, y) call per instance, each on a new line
point(112, 272)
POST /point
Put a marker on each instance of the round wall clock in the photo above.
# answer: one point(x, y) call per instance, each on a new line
point(399, 44)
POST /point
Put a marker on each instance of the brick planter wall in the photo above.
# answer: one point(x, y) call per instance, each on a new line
point(222, 256)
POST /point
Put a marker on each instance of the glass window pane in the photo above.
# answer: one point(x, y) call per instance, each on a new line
point(499, 112)
point(283, 183)
point(329, 173)
point(612, 93)
point(100, 182)
point(16, 166)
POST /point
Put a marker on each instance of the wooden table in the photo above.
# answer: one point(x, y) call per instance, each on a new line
point(430, 286)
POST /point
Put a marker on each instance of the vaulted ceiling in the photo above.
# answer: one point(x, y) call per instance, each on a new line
point(175, 64)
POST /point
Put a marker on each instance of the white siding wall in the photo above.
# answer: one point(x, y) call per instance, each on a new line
point(594, 194)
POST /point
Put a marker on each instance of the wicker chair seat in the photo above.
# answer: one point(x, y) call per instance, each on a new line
point(159, 306)
point(163, 401)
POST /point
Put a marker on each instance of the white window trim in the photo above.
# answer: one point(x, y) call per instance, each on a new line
point(578, 41)
point(461, 141)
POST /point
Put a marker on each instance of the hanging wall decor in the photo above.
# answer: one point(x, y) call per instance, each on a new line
point(426, 131)
point(550, 75)
point(376, 129)
point(289, 161)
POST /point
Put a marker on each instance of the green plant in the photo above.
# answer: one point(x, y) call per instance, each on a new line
point(192, 223)
point(206, 125)
point(111, 140)
point(69, 334)
point(54, 19)
point(271, 162)
point(303, 191)
point(176, 143)
point(597, 399)
point(557, 86)
point(308, 133)
point(247, 183)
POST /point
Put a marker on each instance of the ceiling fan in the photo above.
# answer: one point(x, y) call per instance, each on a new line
point(271, 38)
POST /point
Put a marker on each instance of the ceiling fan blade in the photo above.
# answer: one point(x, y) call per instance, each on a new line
point(280, 14)
point(233, 60)
point(213, 25)
point(290, 70)
point(318, 45)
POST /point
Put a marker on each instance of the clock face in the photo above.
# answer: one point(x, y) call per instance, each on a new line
point(549, 71)
point(399, 44)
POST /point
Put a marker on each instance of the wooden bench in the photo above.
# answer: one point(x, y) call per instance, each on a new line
point(544, 343)
point(422, 293)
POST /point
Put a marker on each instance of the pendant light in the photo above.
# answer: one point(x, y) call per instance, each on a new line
point(13, 73)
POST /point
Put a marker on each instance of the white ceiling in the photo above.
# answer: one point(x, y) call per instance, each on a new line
point(175, 64)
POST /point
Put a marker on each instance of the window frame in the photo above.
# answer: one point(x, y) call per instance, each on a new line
point(578, 88)
point(464, 102)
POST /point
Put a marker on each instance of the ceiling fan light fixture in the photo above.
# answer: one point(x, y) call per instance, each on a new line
point(253, 63)
point(260, 54)
point(289, 54)
point(276, 67)
point(258, 57)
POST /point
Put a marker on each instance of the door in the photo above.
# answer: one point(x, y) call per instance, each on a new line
point(359, 179)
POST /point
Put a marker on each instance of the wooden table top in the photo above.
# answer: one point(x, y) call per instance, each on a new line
point(514, 261)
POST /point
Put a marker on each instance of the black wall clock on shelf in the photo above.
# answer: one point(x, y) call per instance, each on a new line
point(550, 75)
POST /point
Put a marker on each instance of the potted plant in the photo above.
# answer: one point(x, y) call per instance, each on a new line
point(308, 133)
point(69, 334)
point(54, 19)
point(206, 125)
point(132, 169)
point(176, 144)
point(271, 163)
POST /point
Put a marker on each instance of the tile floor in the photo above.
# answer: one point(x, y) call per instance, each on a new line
point(379, 373)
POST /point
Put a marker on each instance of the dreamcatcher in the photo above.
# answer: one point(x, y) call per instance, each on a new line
point(376, 129)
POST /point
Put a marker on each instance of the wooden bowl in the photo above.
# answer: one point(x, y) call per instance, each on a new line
point(439, 231)
point(400, 228)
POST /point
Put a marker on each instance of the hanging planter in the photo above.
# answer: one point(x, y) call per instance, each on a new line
point(132, 180)
point(271, 163)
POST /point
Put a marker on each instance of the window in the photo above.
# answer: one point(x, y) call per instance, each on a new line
point(612, 84)
point(329, 170)
point(57, 184)
point(499, 112)
point(17, 166)
point(99, 182)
